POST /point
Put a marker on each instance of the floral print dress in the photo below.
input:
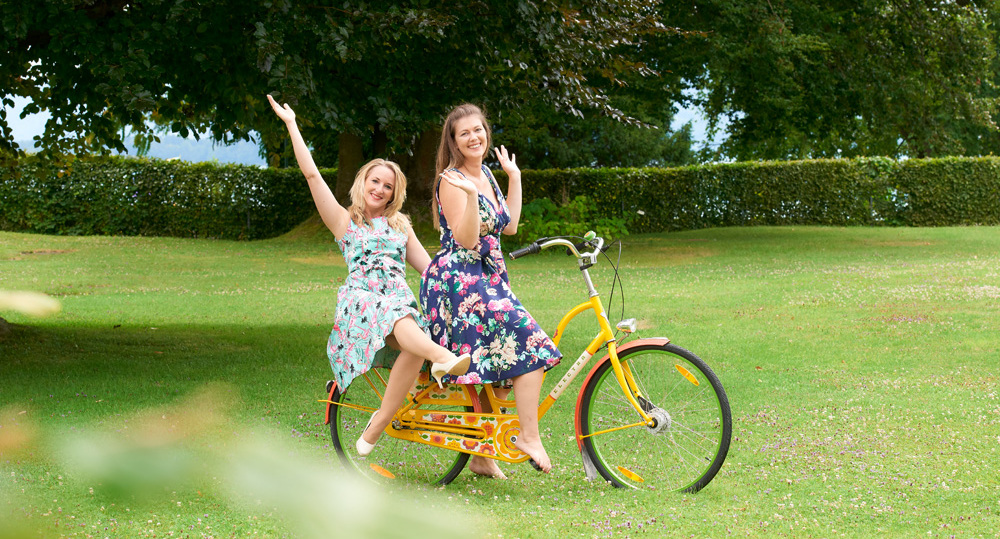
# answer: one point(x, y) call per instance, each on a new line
point(374, 297)
point(467, 299)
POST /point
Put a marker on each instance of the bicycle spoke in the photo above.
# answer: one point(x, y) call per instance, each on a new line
point(392, 458)
point(688, 439)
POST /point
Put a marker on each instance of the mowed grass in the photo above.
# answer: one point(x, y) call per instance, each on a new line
point(861, 365)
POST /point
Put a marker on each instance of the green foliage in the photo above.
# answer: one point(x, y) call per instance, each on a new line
point(543, 218)
point(841, 78)
point(152, 197)
point(102, 65)
point(542, 139)
point(834, 192)
point(378, 70)
point(950, 191)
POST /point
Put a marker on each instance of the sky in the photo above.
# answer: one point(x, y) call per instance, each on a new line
point(244, 153)
point(28, 127)
point(34, 124)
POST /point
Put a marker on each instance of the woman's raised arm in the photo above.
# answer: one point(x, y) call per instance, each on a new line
point(333, 214)
point(509, 165)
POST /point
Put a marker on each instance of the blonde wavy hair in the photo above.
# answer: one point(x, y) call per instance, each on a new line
point(392, 213)
point(448, 154)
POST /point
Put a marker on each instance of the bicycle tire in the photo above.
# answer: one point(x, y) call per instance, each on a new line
point(688, 446)
point(392, 459)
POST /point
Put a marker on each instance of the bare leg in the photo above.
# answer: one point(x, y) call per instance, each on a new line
point(401, 378)
point(412, 339)
point(527, 389)
point(414, 346)
point(482, 465)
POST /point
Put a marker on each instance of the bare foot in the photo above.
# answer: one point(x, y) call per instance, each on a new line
point(486, 467)
point(536, 451)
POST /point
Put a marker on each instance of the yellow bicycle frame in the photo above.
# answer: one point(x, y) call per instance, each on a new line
point(605, 336)
point(492, 434)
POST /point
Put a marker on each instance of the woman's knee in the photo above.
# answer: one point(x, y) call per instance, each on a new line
point(406, 322)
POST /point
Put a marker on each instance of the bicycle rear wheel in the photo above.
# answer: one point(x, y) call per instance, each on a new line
point(392, 458)
point(686, 448)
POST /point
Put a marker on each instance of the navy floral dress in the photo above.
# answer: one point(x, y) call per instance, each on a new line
point(467, 299)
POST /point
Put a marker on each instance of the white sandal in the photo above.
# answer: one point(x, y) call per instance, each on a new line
point(459, 365)
point(364, 448)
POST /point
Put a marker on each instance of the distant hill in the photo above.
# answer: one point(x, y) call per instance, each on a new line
point(194, 151)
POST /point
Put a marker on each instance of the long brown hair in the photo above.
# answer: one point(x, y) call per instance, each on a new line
point(448, 155)
point(397, 220)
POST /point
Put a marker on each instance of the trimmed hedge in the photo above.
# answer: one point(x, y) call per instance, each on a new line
point(153, 197)
point(835, 192)
point(951, 191)
point(123, 196)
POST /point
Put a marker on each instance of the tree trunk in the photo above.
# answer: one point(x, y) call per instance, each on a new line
point(379, 141)
point(350, 157)
point(419, 170)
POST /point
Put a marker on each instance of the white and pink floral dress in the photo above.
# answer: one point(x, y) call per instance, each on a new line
point(374, 297)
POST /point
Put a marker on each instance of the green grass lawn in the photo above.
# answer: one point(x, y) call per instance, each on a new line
point(175, 394)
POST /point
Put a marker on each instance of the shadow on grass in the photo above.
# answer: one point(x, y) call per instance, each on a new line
point(120, 368)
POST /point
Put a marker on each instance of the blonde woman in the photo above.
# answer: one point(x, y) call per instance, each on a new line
point(377, 322)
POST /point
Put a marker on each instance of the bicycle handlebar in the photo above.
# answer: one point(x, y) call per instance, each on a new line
point(575, 249)
point(529, 250)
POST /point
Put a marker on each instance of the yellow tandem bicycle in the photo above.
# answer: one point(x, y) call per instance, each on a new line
point(649, 414)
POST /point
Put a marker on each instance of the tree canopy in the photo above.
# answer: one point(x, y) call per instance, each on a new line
point(546, 139)
point(382, 71)
point(801, 78)
point(793, 78)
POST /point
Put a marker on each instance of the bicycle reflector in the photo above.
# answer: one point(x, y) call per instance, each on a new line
point(382, 471)
point(630, 474)
point(687, 374)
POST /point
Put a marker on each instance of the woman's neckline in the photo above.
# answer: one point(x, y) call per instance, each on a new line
point(493, 189)
point(464, 173)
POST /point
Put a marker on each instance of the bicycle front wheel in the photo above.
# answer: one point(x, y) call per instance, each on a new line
point(392, 458)
point(688, 444)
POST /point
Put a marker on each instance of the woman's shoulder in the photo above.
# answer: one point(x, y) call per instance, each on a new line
point(350, 230)
point(398, 224)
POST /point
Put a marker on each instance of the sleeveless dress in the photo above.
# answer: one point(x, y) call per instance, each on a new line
point(470, 307)
point(374, 297)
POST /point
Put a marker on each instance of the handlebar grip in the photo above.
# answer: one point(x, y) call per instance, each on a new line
point(529, 250)
point(583, 245)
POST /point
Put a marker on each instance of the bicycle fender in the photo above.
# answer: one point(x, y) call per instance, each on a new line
point(655, 341)
point(329, 405)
